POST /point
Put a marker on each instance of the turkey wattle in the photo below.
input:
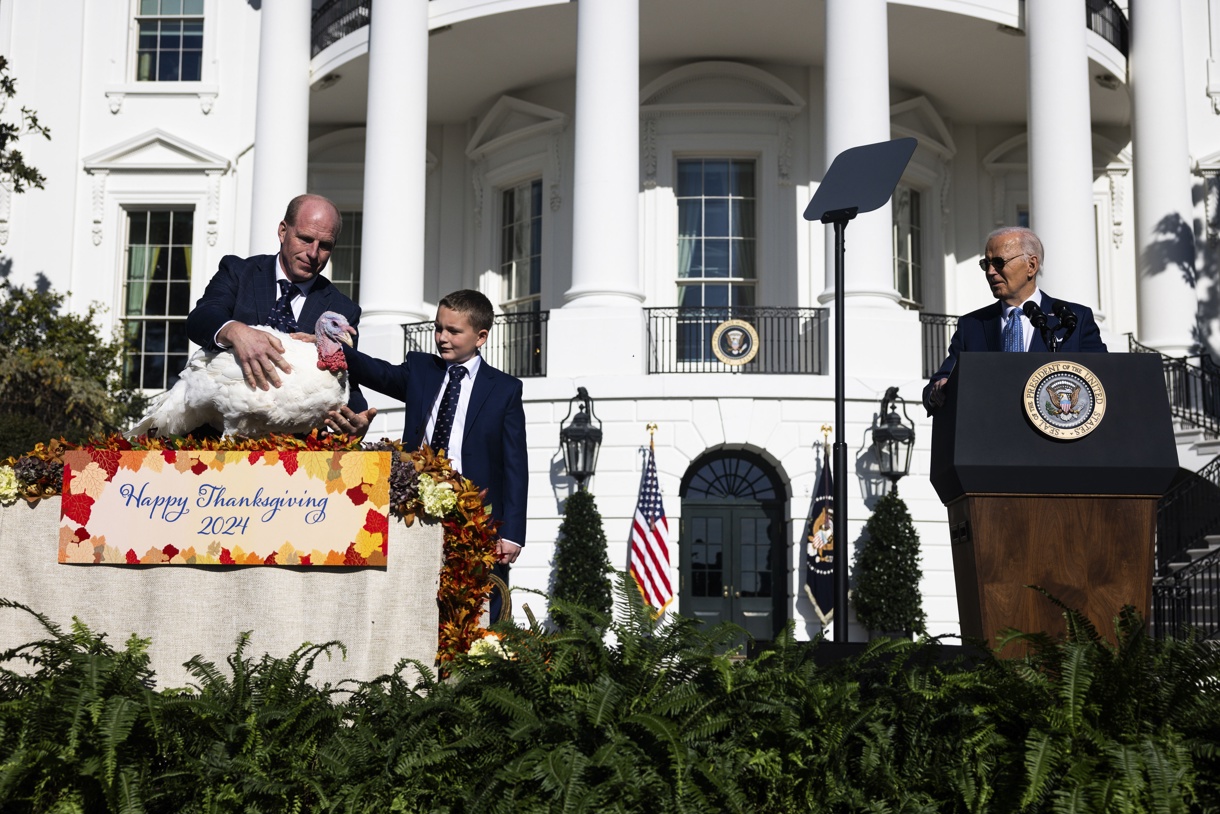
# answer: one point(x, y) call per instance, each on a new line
point(212, 390)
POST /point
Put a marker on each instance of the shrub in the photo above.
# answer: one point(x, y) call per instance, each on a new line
point(581, 565)
point(887, 594)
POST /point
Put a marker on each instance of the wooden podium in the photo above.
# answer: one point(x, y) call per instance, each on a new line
point(1035, 501)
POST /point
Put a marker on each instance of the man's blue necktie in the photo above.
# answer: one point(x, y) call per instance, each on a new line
point(1014, 341)
point(448, 409)
point(281, 317)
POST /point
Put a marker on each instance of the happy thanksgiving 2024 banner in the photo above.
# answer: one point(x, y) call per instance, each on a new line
point(202, 507)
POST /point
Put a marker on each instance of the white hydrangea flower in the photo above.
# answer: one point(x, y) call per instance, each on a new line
point(9, 487)
point(438, 498)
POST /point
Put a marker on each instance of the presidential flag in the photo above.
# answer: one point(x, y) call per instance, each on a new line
point(650, 541)
point(820, 547)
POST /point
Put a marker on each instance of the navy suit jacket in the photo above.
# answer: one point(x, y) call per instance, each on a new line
point(244, 289)
point(980, 331)
point(493, 441)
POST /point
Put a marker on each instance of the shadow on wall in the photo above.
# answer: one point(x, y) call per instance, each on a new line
point(1208, 275)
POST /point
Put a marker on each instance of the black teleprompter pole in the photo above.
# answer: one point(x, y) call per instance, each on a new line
point(859, 180)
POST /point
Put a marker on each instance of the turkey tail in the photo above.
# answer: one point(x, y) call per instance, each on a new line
point(167, 415)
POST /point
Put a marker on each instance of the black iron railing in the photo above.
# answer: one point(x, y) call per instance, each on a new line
point(1185, 515)
point(790, 340)
point(516, 343)
point(1106, 20)
point(1193, 383)
point(937, 331)
point(1190, 600)
point(335, 19)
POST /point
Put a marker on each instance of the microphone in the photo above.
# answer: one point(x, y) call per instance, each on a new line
point(1035, 315)
point(1037, 318)
point(1067, 317)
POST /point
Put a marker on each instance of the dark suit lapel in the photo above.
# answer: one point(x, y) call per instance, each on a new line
point(423, 385)
point(484, 383)
point(316, 304)
point(266, 292)
point(991, 328)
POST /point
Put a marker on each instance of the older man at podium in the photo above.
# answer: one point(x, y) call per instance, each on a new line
point(1023, 318)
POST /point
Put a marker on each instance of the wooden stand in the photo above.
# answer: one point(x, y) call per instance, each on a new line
point(1076, 518)
point(1091, 553)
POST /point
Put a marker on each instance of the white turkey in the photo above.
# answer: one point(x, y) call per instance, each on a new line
point(212, 390)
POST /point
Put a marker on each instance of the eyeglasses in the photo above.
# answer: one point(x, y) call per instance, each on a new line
point(997, 263)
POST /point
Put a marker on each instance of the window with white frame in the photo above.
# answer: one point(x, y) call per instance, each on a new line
point(520, 329)
point(521, 247)
point(344, 265)
point(156, 296)
point(169, 40)
point(908, 246)
point(716, 248)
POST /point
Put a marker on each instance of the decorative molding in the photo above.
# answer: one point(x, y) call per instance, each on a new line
point(783, 158)
point(99, 201)
point(556, 170)
point(648, 150)
point(1117, 215)
point(205, 94)
point(476, 178)
point(155, 150)
point(718, 88)
point(511, 121)
point(213, 177)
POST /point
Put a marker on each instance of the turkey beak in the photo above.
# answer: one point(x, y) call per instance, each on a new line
point(345, 336)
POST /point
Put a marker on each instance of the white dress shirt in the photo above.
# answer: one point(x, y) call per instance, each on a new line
point(1027, 328)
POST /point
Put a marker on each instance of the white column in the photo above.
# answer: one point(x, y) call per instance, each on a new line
point(857, 113)
point(281, 117)
point(1165, 248)
point(395, 170)
point(1061, 148)
point(602, 309)
point(606, 172)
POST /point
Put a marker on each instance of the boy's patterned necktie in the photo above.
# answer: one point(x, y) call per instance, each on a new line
point(448, 409)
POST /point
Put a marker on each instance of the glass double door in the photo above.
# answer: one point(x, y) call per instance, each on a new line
point(733, 569)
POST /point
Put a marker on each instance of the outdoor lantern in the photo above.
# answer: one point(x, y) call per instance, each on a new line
point(580, 439)
point(893, 439)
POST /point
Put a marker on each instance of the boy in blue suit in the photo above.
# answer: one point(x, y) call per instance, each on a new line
point(457, 402)
point(1011, 262)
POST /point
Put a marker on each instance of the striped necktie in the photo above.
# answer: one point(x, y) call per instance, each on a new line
point(1014, 340)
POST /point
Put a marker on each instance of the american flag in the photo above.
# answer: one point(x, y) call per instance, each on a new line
point(650, 541)
point(820, 552)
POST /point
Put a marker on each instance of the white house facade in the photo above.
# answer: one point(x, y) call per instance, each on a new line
point(620, 177)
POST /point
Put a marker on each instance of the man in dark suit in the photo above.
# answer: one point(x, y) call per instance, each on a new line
point(1011, 261)
point(457, 402)
point(268, 288)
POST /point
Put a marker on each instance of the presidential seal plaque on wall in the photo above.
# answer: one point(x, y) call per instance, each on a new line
point(1064, 400)
point(735, 342)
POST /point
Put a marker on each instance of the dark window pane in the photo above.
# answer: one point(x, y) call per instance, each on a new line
point(171, 35)
point(715, 178)
point(167, 69)
point(743, 178)
point(716, 296)
point(690, 258)
point(148, 35)
point(743, 295)
point(690, 178)
point(137, 224)
point(743, 219)
point(192, 66)
point(716, 218)
point(716, 258)
point(183, 223)
point(158, 230)
point(690, 296)
point(743, 259)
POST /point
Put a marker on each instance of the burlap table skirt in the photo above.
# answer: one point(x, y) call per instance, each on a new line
point(381, 614)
